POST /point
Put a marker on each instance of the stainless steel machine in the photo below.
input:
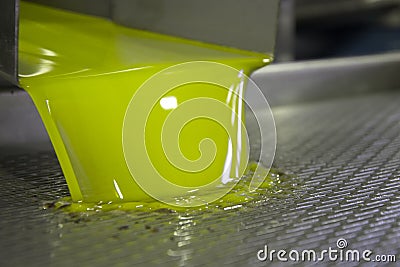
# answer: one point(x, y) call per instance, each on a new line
point(338, 128)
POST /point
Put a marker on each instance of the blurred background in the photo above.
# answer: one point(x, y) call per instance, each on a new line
point(321, 29)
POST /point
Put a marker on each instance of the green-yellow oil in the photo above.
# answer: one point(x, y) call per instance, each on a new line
point(81, 73)
point(277, 185)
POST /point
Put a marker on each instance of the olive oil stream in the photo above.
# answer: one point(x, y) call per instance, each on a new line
point(81, 73)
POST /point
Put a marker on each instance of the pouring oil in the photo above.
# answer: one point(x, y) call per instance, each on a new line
point(81, 73)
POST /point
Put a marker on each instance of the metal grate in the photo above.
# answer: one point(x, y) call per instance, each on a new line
point(346, 157)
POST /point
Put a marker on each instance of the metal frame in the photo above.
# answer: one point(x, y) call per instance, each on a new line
point(304, 81)
point(9, 43)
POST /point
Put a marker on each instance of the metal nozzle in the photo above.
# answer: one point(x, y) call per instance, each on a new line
point(243, 24)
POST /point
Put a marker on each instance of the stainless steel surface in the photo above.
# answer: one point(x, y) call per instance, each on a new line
point(21, 127)
point(234, 23)
point(345, 154)
point(305, 81)
point(100, 8)
point(8, 43)
point(249, 25)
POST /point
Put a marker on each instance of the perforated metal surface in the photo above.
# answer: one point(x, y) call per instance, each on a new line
point(346, 157)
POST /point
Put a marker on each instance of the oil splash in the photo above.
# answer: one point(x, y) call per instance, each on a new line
point(81, 73)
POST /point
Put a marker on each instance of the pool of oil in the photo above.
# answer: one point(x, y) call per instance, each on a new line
point(277, 184)
point(81, 73)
